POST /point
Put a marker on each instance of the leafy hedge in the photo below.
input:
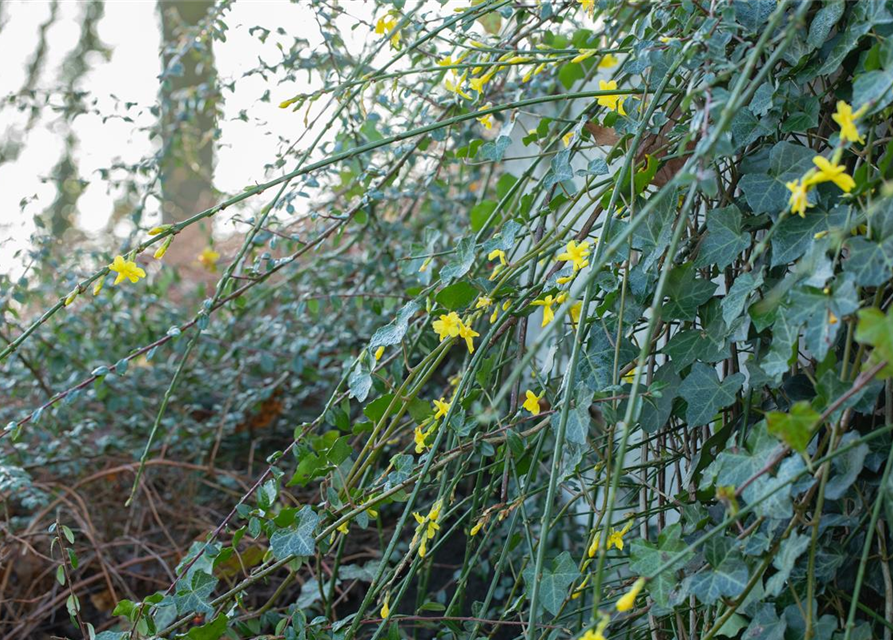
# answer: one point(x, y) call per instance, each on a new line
point(581, 323)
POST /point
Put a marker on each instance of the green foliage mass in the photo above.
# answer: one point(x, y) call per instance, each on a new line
point(696, 393)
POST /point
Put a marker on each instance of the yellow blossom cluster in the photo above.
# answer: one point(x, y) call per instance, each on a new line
point(827, 170)
point(426, 528)
point(451, 325)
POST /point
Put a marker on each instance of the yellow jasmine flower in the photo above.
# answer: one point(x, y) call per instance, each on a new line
point(599, 632)
point(588, 5)
point(799, 200)
point(575, 311)
point(447, 326)
point(442, 408)
point(126, 270)
point(497, 253)
point(614, 103)
point(420, 437)
point(830, 171)
point(160, 251)
point(476, 528)
point(487, 120)
point(478, 83)
point(585, 54)
point(577, 254)
point(567, 138)
point(386, 26)
point(457, 87)
point(379, 353)
point(505, 307)
point(483, 302)
point(533, 72)
point(532, 402)
point(628, 601)
point(615, 539)
point(344, 527)
point(427, 527)
point(468, 334)
point(546, 303)
point(385, 609)
point(593, 548)
point(446, 62)
point(610, 60)
point(154, 231)
point(579, 590)
point(208, 258)
point(566, 279)
point(847, 121)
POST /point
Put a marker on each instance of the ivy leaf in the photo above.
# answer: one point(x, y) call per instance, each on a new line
point(393, 333)
point(297, 540)
point(646, 557)
point(653, 235)
point(753, 14)
point(795, 429)
point(876, 329)
point(560, 170)
point(461, 262)
point(871, 263)
point(765, 625)
point(210, 631)
point(784, 560)
point(710, 584)
point(193, 594)
point(822, 315)
point(656, 411)
point(774, 493)
point(597, 361)
point(724, 240)
point(864, 16)
point(456, 296)
point(873, 88)
point(495, 149)
point(784, 335)
point(847, 467)
point(578, 421)
point(686, 293)
point(359, 382)
point(794, 236)
point(824, 21)
point(706, 395)
point(555, 582)
point(766, 192)
point(596, 167)
point(707, 345)
point(734, 301)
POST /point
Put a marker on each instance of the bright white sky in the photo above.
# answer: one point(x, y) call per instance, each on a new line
point(131, 31)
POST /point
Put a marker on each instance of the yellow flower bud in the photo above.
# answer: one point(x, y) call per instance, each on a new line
point(160, 251)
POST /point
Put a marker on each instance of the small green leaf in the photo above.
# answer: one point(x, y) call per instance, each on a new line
point(456, 296)
point(297, 540)
point(876, 329)
point(795, 429)
point(555, 582)
point(706, 395)
point(210, 631)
